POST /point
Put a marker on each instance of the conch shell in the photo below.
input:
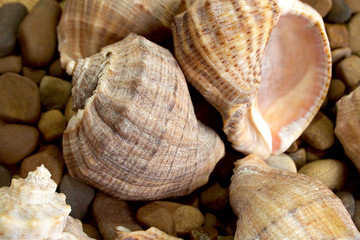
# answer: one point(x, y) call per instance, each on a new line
point(88, 25)
point(137, 137)
point(265, 65)
point(347, 125)
point(278, 204)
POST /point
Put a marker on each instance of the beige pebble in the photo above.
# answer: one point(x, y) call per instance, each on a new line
point(354, 5)
point(282, 161)
point(338, 35)
point(214, 197)
point(51, 157)
point(340, 53)
point(187, 218)
point(348, 200)
point(10, 64)
point(33, 74)
point(356, 217)
point(16, 142)
point(349, 70)
point(54, 92)
point(91, 231)
point(336, 90)
point(320, 132)
point(69, 112)
point(299, 157)
point(321, 6)
point(52, 125)
point(354, 34)
point(332, 173)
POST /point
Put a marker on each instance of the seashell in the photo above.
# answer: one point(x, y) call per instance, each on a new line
point(88, 25)
point(347, 125)
point(74, 230)
point(277, 204)
point(264, 65)
point(151, 234)
point(137, 137)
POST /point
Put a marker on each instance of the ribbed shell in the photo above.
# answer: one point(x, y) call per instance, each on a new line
point(88, 25)
point(222, 47)
point(137, 137)
point(347, 125)
point(277, 204)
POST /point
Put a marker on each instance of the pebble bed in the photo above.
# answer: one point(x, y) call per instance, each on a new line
point(35, 96)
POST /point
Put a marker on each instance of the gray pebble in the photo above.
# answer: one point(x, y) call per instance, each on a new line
point(348, 70)
point(5, 176)
point(340, 53)
point(348, 200)
point(340, 12)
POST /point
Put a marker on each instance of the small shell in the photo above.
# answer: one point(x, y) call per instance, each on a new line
point(277, 204)
point(347, 125)
point(88, 25)
point(151, 234)
point(137, 137)
point(264, 65)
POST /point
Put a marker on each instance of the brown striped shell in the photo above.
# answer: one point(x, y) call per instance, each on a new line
point(137, 137)
point(264, 65)
point(88, 25)
point(278, 204)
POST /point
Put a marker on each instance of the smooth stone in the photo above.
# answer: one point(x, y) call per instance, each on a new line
point(313, 154)
point(320, 132)
point(204, 233)
point(55, 69)
point(214, 197)
point(356, 217)
point(52, 124)
point(37, 33)
point(16, 142)
point(34, 74)
point(10, 64)
point(336, 90)
point(348, 200)
point(20, 99)
point(5, 177)
point(338, 35)
point(51, 157)
point(78, 195)
point(349, 70)
point(354, 5)
point(340, 53)
point(321, 6)
point(299, 157)
point(11, 15)
point(91, 231)
point(187, 218)
point(54, 92)
point(110, 213)
point(354, 34)
point(340, 12)
point(69, 112)
point(332, 173)
point(282, 161)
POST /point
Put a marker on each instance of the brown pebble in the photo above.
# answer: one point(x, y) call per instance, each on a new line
point(356, 217)
point(313, 154)
point(187, 218)
point(5, 176)
point(54, 92)
point(349, 70)
point(332, 173)
point(337, 34)
point(293, 147)
point(354, 5)
point(52, 159)
point(20, 99)
point(348, 200)
point(321, 6)
point(214, 197)
point(354, 34)
point(33, 74)
point(52, 125)
point(336, 90)
point(340, 53)
point(10, 64)
point(281, 161)
point(299, 157)
point(91, 231)
point(37, 33)
point(69, 112)
point(16, 142)
point(204, 233)
point(55, 69)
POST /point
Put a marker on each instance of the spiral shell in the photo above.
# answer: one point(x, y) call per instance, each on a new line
point(137, 137)
point(278, 204)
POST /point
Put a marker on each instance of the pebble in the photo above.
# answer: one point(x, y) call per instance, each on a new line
point(5, 177)
point(356, 217)
point(214, 197)
point(33, 74)
point(332, 173)
point(340, 12)
point(55, 69)
point(203, 233)
point(51, 157)
point(187, 218)
point(69, 112)
point(320, 132)
point(338, 35)
point(52, 125)
point(340, 53)
point(20, 99)
point(349, 70)
point(11, 15)
point(293, 147)
point(210, 220)
point(225, 238)
point(354, 34)
point(313, 154)
point(10, 64)
point(78, 195)
point(354, 5)
point(321, 6)
point(54, 92)
point(17, 141)
point(91, 231)
point(299, 157)
point(37, 33)
point(348, 200)
point(110, 213)
point(336, 90)
point(282, 161)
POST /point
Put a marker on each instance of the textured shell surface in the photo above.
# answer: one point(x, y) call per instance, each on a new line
point(150, 234)
point(135, 135)
point(278, 204)
point(264, 65)
point(347, 125)
point(88, 25)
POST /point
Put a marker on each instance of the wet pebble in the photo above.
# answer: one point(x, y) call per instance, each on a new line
point(332, 173)
point(20, 99)
point(348, 200)
point(37, 33)
point(340, 12)
point(354, 34)
point(10, 64)
point(11, 15)
point(34, 74)
point(321, 6)
point(51, 157)
point(337, 34)
point(282, 161)
point(214, 197)
point(5, 176)
point(78, 195)
point(54, 92)
point(17, 141)
point(52, 125)
point(349, 70)
point(340, 53)
point(203, 233)
point(336, 90)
